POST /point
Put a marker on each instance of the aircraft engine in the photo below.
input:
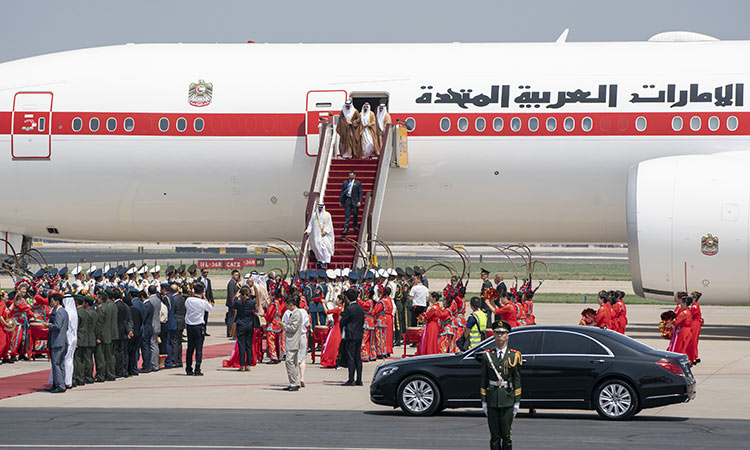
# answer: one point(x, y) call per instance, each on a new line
point(687, 222)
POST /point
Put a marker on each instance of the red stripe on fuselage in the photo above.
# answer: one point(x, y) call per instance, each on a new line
point(427, 124)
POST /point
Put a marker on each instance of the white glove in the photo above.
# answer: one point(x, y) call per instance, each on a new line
point(516, 407)
point(484, 407)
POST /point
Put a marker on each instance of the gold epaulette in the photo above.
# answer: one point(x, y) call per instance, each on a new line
point(482, 391)
point(517, 392)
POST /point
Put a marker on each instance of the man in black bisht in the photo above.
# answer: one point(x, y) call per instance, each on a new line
point(352, 323)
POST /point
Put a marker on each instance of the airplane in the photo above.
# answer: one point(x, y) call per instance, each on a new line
point(610, 142)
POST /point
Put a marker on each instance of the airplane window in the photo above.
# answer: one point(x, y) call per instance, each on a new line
point(695, 123)
point(551, 124)
point(732, 123)
point(677, 123)
point(181, 124)
point(445, 124)
point(713, 123)
point(515, 124)
point(569, 123)
point(463, 124)
point(198, 124)
point(111, 124)
point(479, 124)
point(163, 124)
point(640, 123)
point(77, 124)
point(497, 124)
point(128, 124)
point(94, 124)
point(411, 124)
point(587, 124)
point(41, 124)
point(533, 124)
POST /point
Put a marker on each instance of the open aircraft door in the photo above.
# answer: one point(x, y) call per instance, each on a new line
point(31, 127)
point(320, 105)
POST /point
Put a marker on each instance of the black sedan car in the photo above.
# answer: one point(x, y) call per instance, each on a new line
point(564, 367)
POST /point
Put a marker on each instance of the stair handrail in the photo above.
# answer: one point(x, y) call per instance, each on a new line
point(364, 232)
point(381, 181)
point(318, 183)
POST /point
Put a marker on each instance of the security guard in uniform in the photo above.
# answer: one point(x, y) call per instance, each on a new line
point(501, 387)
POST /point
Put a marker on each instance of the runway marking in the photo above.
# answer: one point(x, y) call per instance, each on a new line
point(256, 447)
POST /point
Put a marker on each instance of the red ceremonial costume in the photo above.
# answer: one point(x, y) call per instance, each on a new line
point(20, 338)
point(274, 331)
point(4, 334)
point(458, 310)
point(619, 319)
point(683, 334)
point(604, 316)
point(333, 341)
point(508, 313)
point(368, 339)
point(695, 328)
point(429, 344)
point(389, 307)
point(381, 324)
point(529, 309)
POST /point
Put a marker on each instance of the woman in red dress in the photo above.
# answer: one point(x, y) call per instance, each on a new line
point(603, 317)
point(622, 312)
point(697, 316)
point(389, 307)
point(5, 326)
point(682, 335)
point(432, 317)
point(333, 341)
point(506, 310)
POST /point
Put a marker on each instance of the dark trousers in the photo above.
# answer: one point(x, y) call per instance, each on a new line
point(57, 357)
point(204, 327)
point(416, 311)
point(354, 358)
point(350, 207)
point(109, 356)
point(88, 364)
point(177, 345)
point(146, 352)
point(500, 421)
point(134, 347)
point(400, 322)
point(245, 344)
point(121, 357)
point(411, 319)
point(79, 363)
point(194, 344)
point(170, 350)
point(317, 314)
point(101, 362)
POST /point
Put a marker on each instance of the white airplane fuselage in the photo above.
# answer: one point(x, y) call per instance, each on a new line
point(460, 185)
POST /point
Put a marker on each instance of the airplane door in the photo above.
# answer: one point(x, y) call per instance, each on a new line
point(320, 104)
point(31, 127)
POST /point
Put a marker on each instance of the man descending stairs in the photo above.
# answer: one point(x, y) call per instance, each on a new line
point(338, 189)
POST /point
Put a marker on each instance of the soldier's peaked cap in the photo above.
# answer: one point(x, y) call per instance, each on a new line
point(400, 272)
point(409, 271)
point(501, 326)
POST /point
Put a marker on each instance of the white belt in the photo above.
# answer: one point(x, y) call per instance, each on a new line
point(495, 383)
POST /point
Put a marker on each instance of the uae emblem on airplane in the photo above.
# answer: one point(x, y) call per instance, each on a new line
point(709, 245)
point(200, 93)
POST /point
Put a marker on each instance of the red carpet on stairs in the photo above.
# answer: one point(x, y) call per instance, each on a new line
point(365, 171)
point(31, 382)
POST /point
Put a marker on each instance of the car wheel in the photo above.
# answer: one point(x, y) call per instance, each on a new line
point(616, 400)
point(418, 396)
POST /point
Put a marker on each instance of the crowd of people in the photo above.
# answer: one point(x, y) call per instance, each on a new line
point(682, 326)
point(612, 313)
point(97, 325)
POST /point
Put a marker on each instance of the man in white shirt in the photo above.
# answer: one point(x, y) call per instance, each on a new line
point(418, 296)
point(195, 308)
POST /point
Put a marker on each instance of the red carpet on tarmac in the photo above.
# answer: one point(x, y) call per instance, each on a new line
point(31, 382)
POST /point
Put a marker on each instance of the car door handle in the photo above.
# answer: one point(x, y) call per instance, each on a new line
point(597, 361)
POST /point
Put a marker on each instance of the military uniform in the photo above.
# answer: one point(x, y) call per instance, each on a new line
point(99, 358)
point(88, 368)
point(82, 332)
point(501, 390)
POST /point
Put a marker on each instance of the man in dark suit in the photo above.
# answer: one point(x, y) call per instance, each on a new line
point(146, 332)
point(209, 296)
point(58, 342)
point(178, 308)
point(352, 323)
point(134, 344)
point(110, 334)
point(233, 286)
point(351, 199)
point(124, 334)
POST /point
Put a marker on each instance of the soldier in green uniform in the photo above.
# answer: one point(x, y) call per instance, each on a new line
point(88, 368)
point(501, 387)
point(83, 326)
point(486, 284)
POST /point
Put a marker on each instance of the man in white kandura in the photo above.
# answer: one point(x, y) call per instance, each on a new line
point(320, 233)
point(369, 132)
